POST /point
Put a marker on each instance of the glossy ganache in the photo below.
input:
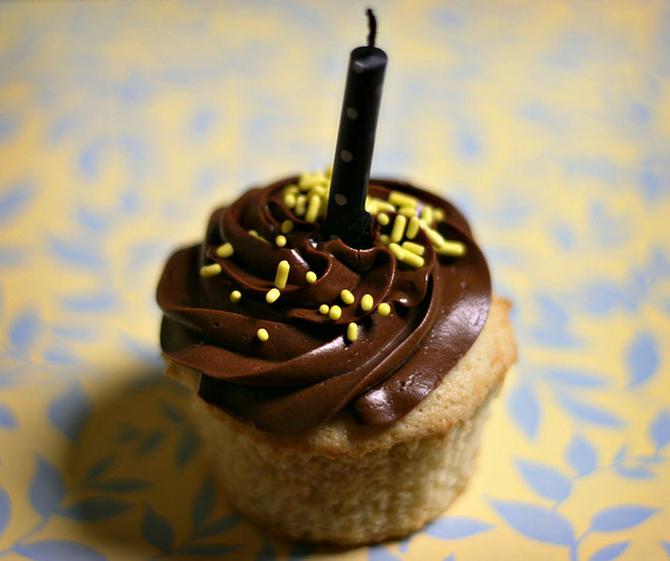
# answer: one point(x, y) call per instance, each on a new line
point(308, 371)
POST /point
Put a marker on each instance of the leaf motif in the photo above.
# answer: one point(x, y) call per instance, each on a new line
point(589, 413)
point(524, 409)
point(659, 429)
point(60, 356)
point(576, 378)
point(172, 412)
point(456, 527)
point(94, 509)
point(301, 551)
point(94, 302)
point(121, 485)
point(69, 411)
point(150, 441)
point(77, 254)
point(25, 329)
point(535, 522)
point(621, 517)
point(581, 455)
point(666, 547)
point(208, 548)
point(203, 503)
point(380, 553)
point(636, 472)
point(59, 550)
point(157, 530)
point(267, 552)
point(14, 200)
point(609, 552)
point(219, 525)
point(642, 359)
point(7, 417)
point(545, 480)
point(47, 489)
point(5, 510)
point(189, 443)
point(100, 467)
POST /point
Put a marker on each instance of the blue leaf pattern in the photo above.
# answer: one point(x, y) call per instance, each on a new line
point(94, 509)
point(581, 455)
point(524, 409)
point(642, 359)
point(203, 503)
point(157, 530)
point(69, 411)
point(24, 330)
point(14, 200)
point(455, 527)
point(380, 553)
point(620, 517)
point(609, 552)
point(545, 480)
point(59, 550)
point(659, 429)
point(5, 510)
point(7, 418)
point(588, 412)
point(535, 522)
point(47, 489)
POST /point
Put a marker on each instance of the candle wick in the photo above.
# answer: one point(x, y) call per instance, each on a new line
point(372, 27)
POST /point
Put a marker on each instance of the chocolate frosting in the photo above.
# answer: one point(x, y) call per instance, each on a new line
point(307, 371)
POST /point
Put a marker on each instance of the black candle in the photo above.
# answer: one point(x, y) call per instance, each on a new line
point(346, 217)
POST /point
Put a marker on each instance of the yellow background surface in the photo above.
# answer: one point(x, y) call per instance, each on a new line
point(123, 124)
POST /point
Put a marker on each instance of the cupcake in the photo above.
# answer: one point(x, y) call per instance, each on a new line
point(340, 391)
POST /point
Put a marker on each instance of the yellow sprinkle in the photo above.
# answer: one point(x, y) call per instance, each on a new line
point(406, 257)
point(414, 247)
point(313, 208)
point(256, 235)
point(262, 334)
point(352, 331)
point(401, 199)
point(434, 236)
point(281, 277)
point(413, 227)
point(310, 277)
point(319, 190)
point(324, 309)
point(408, 211)
point(452, 248)
point(367, 302)
point(427, 214)
point(335, 312)
point(290, 200)
point(347, 296)
point(300, 203)
point(280, 241)
point(307, 180)
point(235, 296)
point(225, 250)
point(371, 206)
point(398, 230)
point(384, 309)
point(384, 239)
point(287, 226)
point(272, 295)
point(383, 219)
point(383, 206)
point(438, 215)
point(212, 270)
point(291, 188)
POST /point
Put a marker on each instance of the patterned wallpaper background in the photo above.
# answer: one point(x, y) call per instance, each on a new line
point(122, 124)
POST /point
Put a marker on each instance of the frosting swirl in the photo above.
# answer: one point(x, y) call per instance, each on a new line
point(308, 370)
